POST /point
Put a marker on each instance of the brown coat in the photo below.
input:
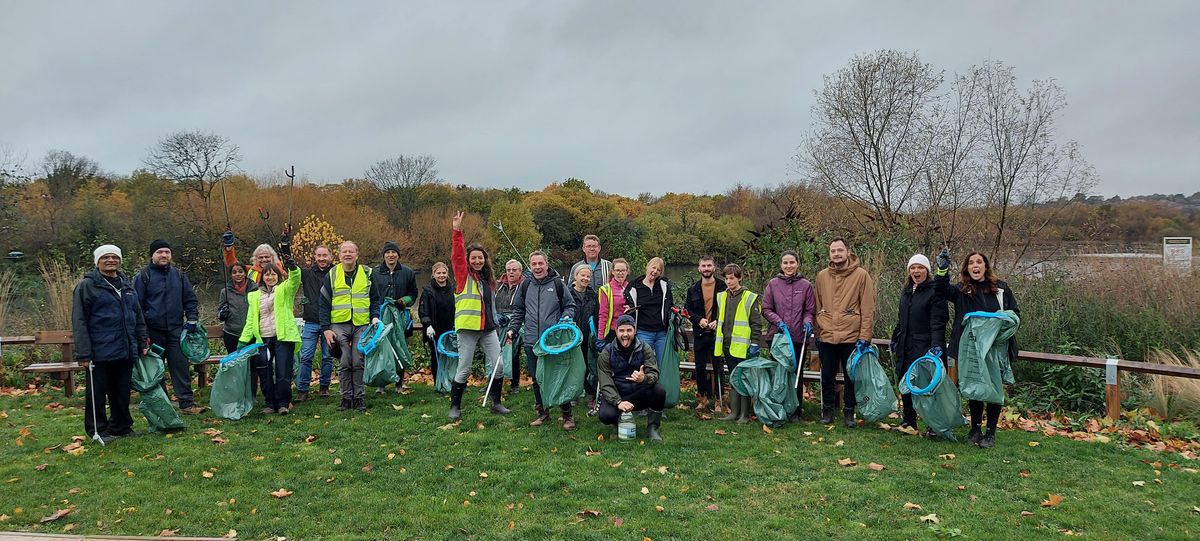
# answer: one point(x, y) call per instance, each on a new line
point(845, 303)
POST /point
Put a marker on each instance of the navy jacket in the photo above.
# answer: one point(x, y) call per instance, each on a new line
point(167, 297)
point(106, 320)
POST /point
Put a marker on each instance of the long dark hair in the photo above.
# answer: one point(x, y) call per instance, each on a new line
point(967, 284)
point(485, 272)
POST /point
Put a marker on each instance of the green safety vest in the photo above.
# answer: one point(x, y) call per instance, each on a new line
point(739, 343)
point(468, 307)
point(350, 303)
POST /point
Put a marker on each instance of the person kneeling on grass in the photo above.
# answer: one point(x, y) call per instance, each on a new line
point(628, 372)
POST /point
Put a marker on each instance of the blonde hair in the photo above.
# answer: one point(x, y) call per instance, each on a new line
point(622, 261)
point(579, 269)
point(439, 265)
point(656, 262)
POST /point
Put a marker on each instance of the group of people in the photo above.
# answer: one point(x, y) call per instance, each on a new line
point(625, 324)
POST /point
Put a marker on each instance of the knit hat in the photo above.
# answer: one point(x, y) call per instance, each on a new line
point(103, 251)
point(159, 244)
point(626, 319)
point(921, 260)
point(390, 246)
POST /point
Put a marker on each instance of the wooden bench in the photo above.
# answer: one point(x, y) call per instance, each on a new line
point(66, 368)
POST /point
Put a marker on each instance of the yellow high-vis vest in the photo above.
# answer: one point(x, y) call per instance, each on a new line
point(739, 343)
point(350, 303)
point(468, 307)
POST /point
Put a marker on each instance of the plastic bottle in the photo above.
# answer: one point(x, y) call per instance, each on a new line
point(626, 429)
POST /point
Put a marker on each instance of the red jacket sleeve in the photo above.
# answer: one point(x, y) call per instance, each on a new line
point(458, 261)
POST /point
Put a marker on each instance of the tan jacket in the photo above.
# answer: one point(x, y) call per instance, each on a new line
point(845, 303)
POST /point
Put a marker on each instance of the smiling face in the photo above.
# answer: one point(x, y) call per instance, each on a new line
point(348, 255)
point(440, 275)
point(537, 264)
point(838, 252)
point(263, 259)
point(625, 334)
point(391, 257)
point(789, 265)
point(591, 249)
point(706, 268)
point(976, 267)
point(237, 274)
point(918, 273)
point(270, 277)
point(323, 258)
point(109, 264)
point(476, 259)
point(583, 277)
point(620, 271)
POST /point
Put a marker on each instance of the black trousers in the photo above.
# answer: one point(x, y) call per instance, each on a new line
point(704, 361)
point(644, 396)
point(177, 364)
point(834, 357)
point(273, 365)
point(108, 382)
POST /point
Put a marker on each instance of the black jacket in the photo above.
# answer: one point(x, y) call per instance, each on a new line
point(311, 280)
point(587, 308)
point(437, 307)
point(651, 307)
point(106, 319)
point(166, 296)
point(921, 324)
point(396, 284)
point(979, 301)
point(694, 304)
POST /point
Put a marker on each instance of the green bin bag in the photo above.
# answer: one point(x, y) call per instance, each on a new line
point(401, 320)
point(872, 389)
point(559, 375)
point(506, 355)
point(769, 381)
point(195, 344)
point(983, 363)
point(379, 366)
point(934, 396)
point(668, 366)
point(148, 373)
point(447, 361)
point(231, 396)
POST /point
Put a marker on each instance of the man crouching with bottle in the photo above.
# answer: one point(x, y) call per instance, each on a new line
point(628, 373)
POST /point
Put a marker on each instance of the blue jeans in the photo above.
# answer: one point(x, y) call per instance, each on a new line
point(657, 340)
point(309, 338)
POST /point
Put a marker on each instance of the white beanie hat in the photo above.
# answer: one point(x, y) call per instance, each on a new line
point(103, 251)
point(920, 260)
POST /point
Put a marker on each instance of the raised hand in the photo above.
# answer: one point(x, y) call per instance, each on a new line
point(457, 223)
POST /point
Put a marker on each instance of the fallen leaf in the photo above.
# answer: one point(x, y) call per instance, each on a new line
point(512, 524)
point(220, 441)
point(57, 514)
point(337, 461)
point(282, 493)
point(931, 518)
point(659, 508)
point(69, 527)
point(839, 443)
point(231, 534)
point(213, 432)
point(206, 474)
point(600, 437)
point(1195, 509)
point(391, 456)
point(616, 464)
point(645, 490)
point(448, 426)
point(311, 438)
point(168, 533)
point(448, 467)
point(720, 432)
point(480, 426)
point(75, 490)
point(1026, 513)
point(768, 430)
point(948, 456)
point(4, 518)
point(590, 452)
point(483, 475)
point(397, 407)
point(1024, 473)
point(876, 467)
point(618, 521)
point(587, 513)
point(369, 467)
point(712, 507)
point(1052, 500)
point(1034, 443)
point(1139, 483)
point(41, 467)
point(847, 462)
point(962, 487)
point(911, 505)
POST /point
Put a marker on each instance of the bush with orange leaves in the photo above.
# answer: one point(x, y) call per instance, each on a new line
point(314, 231)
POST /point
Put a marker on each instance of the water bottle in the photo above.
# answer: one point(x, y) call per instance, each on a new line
point(626, 429)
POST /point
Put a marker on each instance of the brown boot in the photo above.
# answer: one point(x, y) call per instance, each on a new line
point(542, 417)
point(301, 397)
point(568, 419)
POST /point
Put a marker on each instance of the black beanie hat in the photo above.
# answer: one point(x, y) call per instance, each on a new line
point(390, 246)
point(157, 244)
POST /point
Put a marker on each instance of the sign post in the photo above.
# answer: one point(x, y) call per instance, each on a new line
point(1177, 254)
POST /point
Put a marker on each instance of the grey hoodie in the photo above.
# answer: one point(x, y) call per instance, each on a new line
point(539, 304)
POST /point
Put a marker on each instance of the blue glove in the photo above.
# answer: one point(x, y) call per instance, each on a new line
point(227, 239)
point(943, 260)
point(807, 328)
point(936, 351)
point(782, 326)
point(753, 352)
point(600, 345)
point(190, 326)
point(565, 319)
point(862, 344)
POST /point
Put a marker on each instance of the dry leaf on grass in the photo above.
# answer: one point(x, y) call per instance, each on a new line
point(1024, 473)
point(220, 441)
point(876, 467)
point(1026, 513)
point(1139, 483)
point(587, 513)
point(712, 507)
point(58, 514)
point(41, 467)
point(930, 518)
point(720, 432)
point(1052, 500)
point(231, 534)
point(767, 429)
point(310, 438)
point(483, 475)
point(369, 467)
point(213, 432)
point(590, 452)
point(662, 469)
point(847, 462)
point(168, 533)
point(282, 493)
point(616, 464)
point(948, 456)
point(645, 490)
point(911, 505)
point(618, 521)
point(206, 474)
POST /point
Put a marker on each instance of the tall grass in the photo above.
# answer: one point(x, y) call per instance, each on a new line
point(6, 298)
point(1172, 398)
point(59, 280)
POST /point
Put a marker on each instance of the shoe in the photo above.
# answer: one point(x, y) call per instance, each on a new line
point(514, 389)
point(591, 404)
point(379, 390)
point(735, 407)
point(929, 433)
point(795, 417)
point(988, 440)
point(653, 421)
point(495, 391)
point(848, 419)
point(456, 393)
point(974, 436)
point(568, 420)
point(701, 404)
point(282, 411)
point(542, 417)
point(192, 410)
point(106, 439)
point(746, 410)
point(127, 434)
point(827, 416)
point(268, 410)
point(324, 391)
point(360, 404)
point(345, 405)
point(302, 396)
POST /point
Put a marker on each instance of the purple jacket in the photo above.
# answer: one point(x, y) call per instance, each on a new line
point(789, 299)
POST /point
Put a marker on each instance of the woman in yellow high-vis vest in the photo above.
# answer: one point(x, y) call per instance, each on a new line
point(475, 318)
point(739, 332)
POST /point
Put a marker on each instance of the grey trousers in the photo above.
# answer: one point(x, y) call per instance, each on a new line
point(350, 367)
point(467, 340)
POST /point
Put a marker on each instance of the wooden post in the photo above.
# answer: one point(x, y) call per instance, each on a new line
point(1112, 390)
point(68, 351)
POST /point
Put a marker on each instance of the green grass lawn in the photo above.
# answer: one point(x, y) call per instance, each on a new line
point(396, 474)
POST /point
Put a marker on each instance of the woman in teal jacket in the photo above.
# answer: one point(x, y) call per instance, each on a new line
point(269, 321)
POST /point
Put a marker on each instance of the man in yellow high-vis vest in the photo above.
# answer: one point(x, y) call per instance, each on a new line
point(348, 305)
point(739, 332)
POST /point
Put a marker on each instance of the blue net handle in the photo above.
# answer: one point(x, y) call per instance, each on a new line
point(370, 339)
point(441, 345)
point(858, 355)
point(933, 382)
point(991, 315)
point(792, 345)
point(576, 337)
point(239, 353)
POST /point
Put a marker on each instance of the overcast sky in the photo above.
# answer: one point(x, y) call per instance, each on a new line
point(632, 96)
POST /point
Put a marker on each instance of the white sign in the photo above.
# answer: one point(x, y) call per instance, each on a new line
point(1177, 254)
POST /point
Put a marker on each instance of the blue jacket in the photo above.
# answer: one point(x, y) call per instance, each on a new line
point(106, 320)
point(167, 297)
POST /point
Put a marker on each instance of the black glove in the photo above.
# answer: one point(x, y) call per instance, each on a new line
point(285, 250)
point(943, 260)
point(223, 312)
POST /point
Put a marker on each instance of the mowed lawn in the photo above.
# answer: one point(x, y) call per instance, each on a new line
point(403, 474)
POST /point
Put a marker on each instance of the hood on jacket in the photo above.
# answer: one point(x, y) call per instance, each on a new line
point(790, 279)
point(851, 266)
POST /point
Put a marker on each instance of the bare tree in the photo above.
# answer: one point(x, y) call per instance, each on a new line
point(66, 172)
point(1024, 164)
point(403, 179)
point(11, 165)
point(874, 134)
point(197, 161)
